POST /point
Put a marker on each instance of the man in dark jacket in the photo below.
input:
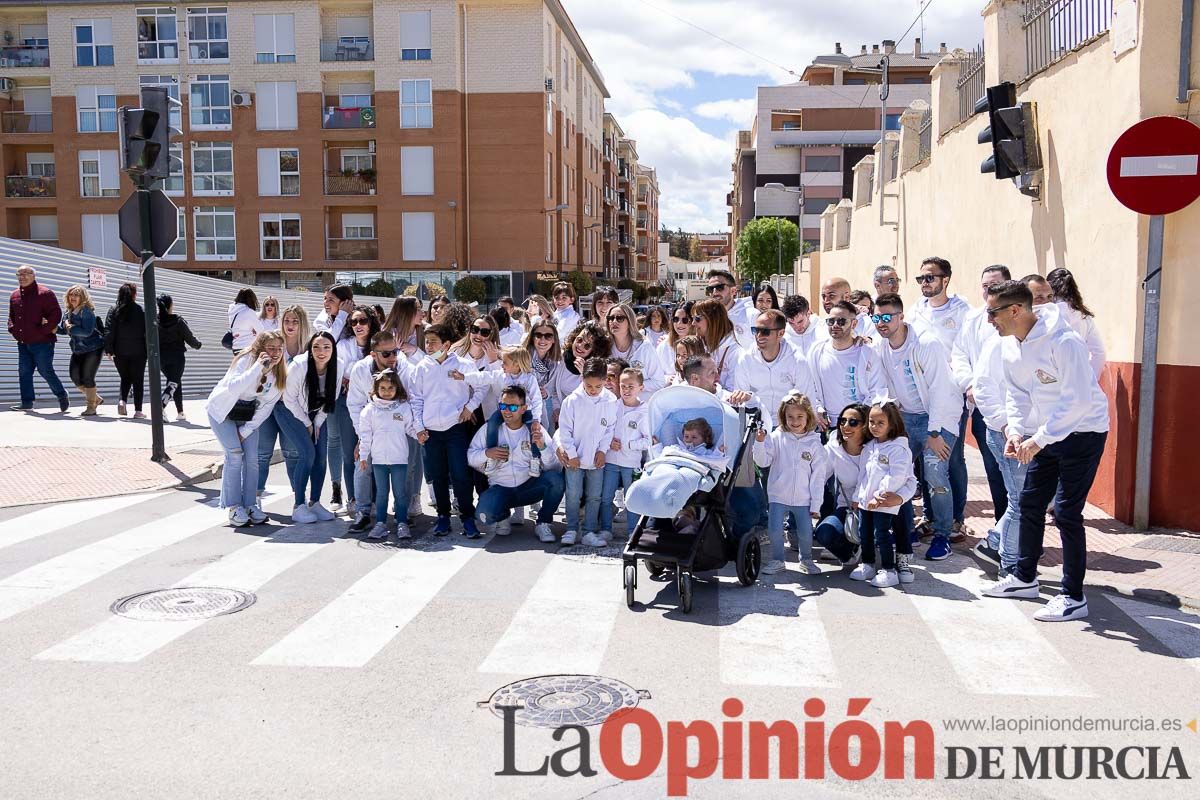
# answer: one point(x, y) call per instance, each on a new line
point(33, 314)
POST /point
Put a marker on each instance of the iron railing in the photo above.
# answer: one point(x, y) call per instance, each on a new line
point(28, 55)
point(970, 83)
point(342, 50)
point(29, 186)
point(1054, 28)
point(355, 117)
point(893, 162)
point(352, 249)
point(925, 136)
point(349, 184)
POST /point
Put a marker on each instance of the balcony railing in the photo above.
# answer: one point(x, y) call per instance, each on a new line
point(349, 184)
point(340, 50)
point(970, 84)
point(352, 249)
point(624, 207)
point(643, 220)
point(348, 118)
point(643, 197)
point(25, 56)
point(29, 186)
point(26, 122)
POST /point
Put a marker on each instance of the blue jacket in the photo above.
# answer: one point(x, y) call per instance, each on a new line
point(85, 336)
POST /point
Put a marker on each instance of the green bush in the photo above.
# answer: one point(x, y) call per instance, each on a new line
point(379, 288)
point(470, 290)
point(582, 282)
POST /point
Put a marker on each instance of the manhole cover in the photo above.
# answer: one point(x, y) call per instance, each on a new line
point(423, 544)
point(182, 604)
point(551, 701)
point(579, 552)
point(1171, 544)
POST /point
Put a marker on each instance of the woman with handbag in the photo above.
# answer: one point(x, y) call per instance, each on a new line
point(244, 323)
point(314, 383)
point(236, 408)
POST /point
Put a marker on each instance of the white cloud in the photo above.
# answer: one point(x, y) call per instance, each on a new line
point(739, 112)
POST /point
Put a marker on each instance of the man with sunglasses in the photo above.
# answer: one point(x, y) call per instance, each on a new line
point(361, 375)
point(1057, 424)
point(774, 368)
point(722, 287)
point(917, 374)
point(845, 367)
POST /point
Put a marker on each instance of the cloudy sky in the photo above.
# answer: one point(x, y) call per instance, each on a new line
point(683, 94)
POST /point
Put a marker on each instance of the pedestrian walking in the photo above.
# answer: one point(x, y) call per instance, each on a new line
point(314, 381)
point(1078, 316)
point(125, 344)
point(33, 316)
point(174, 338)
point(244, 322)
point(80, 323)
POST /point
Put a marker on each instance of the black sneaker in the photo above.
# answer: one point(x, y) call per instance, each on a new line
point(168, 393)
point(63, 403)
point(986, 552)
point(361, 522)
point(337, 494)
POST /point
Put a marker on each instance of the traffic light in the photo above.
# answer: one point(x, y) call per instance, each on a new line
point(1012, 132)
point(145, 135)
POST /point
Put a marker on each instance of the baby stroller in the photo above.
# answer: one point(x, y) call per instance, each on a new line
point(681, 496)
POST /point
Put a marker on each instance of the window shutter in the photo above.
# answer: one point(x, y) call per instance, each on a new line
point(109, 178)
point(285, 111)
point(415, 31)
point(268, 172)
point(418, 232)
point(264, 33)
point(416, 170)
point(352, 27)
point(285, 34)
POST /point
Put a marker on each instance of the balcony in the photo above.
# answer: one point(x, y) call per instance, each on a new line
point(25, 56)
point(643, 220)
point(624, 240)
point(623, 207)
point(29, 186)
point(347, 50)
point(26, 122)
point(643, 198)
point(335, 118)
point(352, 249)
point(353, 183)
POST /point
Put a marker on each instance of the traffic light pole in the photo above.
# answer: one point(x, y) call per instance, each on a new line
point(150, 300)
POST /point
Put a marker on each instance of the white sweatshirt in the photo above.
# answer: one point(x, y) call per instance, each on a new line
point(586, 425)
point(726, 358)
point(295, 394)
point(928, 367)
point(887, 467)
point(361, 375)
point(799, 467)
point(652, 336)
point(244, 324)
point(816, 333)
point(566, 320)
point(976, 332)
point(633, 432)
point(853, 375)
point(1052, 390)
point(565, 382)
point(494, 380)
point(641, 355)
point(990, 385)
point(240, 382)
point(383, 430)
point(437, 399)
point(771, 381)
point(349, 354)
point(268, 324)
point(1087, 330)
point(945, 321)
point(514, 334)
point(846, 469)
point(334, 324)
point(515, 471)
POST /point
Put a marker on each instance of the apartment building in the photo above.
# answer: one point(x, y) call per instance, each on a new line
point(414, 139)
point(610, 219)
point(647, 225)
point(808, 135)
point(714, 245)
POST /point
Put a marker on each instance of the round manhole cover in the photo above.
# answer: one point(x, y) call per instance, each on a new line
point(182, 604)
point(551, 701)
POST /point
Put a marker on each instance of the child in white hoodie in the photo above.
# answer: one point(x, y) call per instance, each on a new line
point(383, 430)
point(887, 467)
point(585, 431)
point(799, 468)
point(631, 439)
point(516, 369)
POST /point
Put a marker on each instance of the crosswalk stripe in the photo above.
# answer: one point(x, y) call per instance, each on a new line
point(354, 627)
point(992, 646)
point(565, 622)
point(125, 640)
point(54, 518)
point(1177, 630)
point(771, 636)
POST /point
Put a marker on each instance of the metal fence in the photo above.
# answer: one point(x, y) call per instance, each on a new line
point(925, 134)
point(893, 162)
point(1053, 28)
point(971, 83)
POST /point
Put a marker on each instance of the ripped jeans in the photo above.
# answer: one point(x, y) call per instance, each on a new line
point(239, 478)
point(932, 472)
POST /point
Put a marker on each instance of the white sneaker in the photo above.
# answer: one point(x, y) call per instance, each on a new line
point(238, 517)
point(257, 515)
point(772, 567)
point(320, 512)
point(885, 578)
point(503, 527)
point(903, 569)
point(570, 537)
point(303, 515)
point(1012, 586)
point(809, 567)
point(606, 536)
point(402, 531)
point(863, 572)
point(181, 417)
point(380, 531)
point(590, 539)
point(544, 534)
point(1062, 608)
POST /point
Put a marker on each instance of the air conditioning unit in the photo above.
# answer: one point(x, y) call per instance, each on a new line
point(7, 85)
point(243, 99)
point(371, 146)
point(550, 85)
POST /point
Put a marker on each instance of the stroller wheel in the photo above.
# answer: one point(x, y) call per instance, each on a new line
point(749, 559)
point(684, 582)
point(655, 569)
point(630, 583)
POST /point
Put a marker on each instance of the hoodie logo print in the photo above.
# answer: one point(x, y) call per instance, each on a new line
point(807, 456)
point(1045, 377)
point(884, 460)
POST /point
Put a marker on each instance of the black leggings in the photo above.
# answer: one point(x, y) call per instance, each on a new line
point(132, 370)
point(83, 368)
point(172, 368)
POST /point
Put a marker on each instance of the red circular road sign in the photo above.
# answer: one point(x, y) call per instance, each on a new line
point(1154, 167)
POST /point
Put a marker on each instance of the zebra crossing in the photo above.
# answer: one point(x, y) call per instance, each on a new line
point(563, 618)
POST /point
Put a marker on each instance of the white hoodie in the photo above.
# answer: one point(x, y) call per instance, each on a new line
point(990, 385)
point(771, 381)
point(295, 394)
point(1052, 390)
point(853, 375)
point(945, 321)
point(887, 467)
point(492, 382)
point(641, 355)
point(383, 430)
point(245, 325)
point(976, 332)
point(333, 324)
point(586, 425)
point(930, 371)
point(633, 432)
point(515, 471)
point(361, 376)
point(799, 467)
point(726, 358)
point(816, 333)
point(437, 399)
point(566, 320)
point(241, 383)
point(846, 469)
point(1087, 330)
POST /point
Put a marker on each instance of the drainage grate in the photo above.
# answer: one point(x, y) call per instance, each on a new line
point(579, 552)
point(182, 604)
point(550, 701)
point(423, 544)
point(1171, 544)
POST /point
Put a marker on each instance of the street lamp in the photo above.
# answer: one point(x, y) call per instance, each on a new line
point(779, 187)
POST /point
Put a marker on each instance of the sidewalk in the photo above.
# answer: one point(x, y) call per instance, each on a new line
point(49, 457)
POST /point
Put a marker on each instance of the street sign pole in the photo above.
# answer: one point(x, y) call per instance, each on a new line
point(150, 301)
point(1146, 386)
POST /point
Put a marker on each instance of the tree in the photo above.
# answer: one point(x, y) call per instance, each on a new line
point(694, 251)
point(379, 288)
point(639, 290)
point(581, 281)
point(470, 290)
point(655, 291)
point(766, 246)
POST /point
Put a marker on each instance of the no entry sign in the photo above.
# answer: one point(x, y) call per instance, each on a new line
point(1154, 167)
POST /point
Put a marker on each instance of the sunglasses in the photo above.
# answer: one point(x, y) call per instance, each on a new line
point(697, 318)
point(510, 407)
point(386, 353)
point(929, 278)
point(543, 335)
point(837, 322)
point(720, 287)
point(992, 312)
point(849, 423)
point(764, 331)
point(885, 318)
point(616, 318)
point(893, 281)
point(481, 331)
point(359, 321)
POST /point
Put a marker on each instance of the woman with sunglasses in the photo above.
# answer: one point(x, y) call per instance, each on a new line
point(481, 347)
point(588, 340)
point(268, 315)
point(354, 346)
point(313, 388)
point(628, 344)
point(658, 322)
point(236, 407)
point(681, 326)
point(281, 426)
point(713, 325)
point(546, 356)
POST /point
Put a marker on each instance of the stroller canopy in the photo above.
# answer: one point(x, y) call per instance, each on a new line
point(672, 407)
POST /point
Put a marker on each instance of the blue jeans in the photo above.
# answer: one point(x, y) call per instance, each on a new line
point(958, 468)
point(268, 433)
point(497, 502)
point(348, 438)
point(333, 449)
point(933, 472)
point(615, 477)
point(393, 475)
point(364, 487)
point(39, 357)
point(1006, 536)
point(875, 528)
point(802, 529)
point(446, 465)
point(746, 505)
point(991, 465)
point(310, 464)
point(583, 488)
point(830, 533)
point(239, 478)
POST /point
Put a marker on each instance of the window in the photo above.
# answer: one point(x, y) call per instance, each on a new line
point(549, 175)
point(158, 39)
point(791, 125)
point(549, 115)
point(39, 165)
point(275, 105)
point(280, 236)
point(178, 251)
point(358, 226)
point(416, 104)
point(416, 38)
point(96, 109)
point(357, 160)
point(893, 122)
point(173, 184)
point(101, 236)
point(823, 164)
point(98, 174)
point(355, 95)
point(418, 230)
point(278, 172)
point(43, 227)
point(816, 205)
point(210, 102)
point(35, 35)
point(93, 43)
point(171, 84)
point(549, 238)
point(416, 170)
point(212, 168)
point(275, 38)
point(215, 234)
point(566, 71)
point(208, 34)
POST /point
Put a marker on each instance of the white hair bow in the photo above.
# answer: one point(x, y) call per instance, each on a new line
point(883, 397)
